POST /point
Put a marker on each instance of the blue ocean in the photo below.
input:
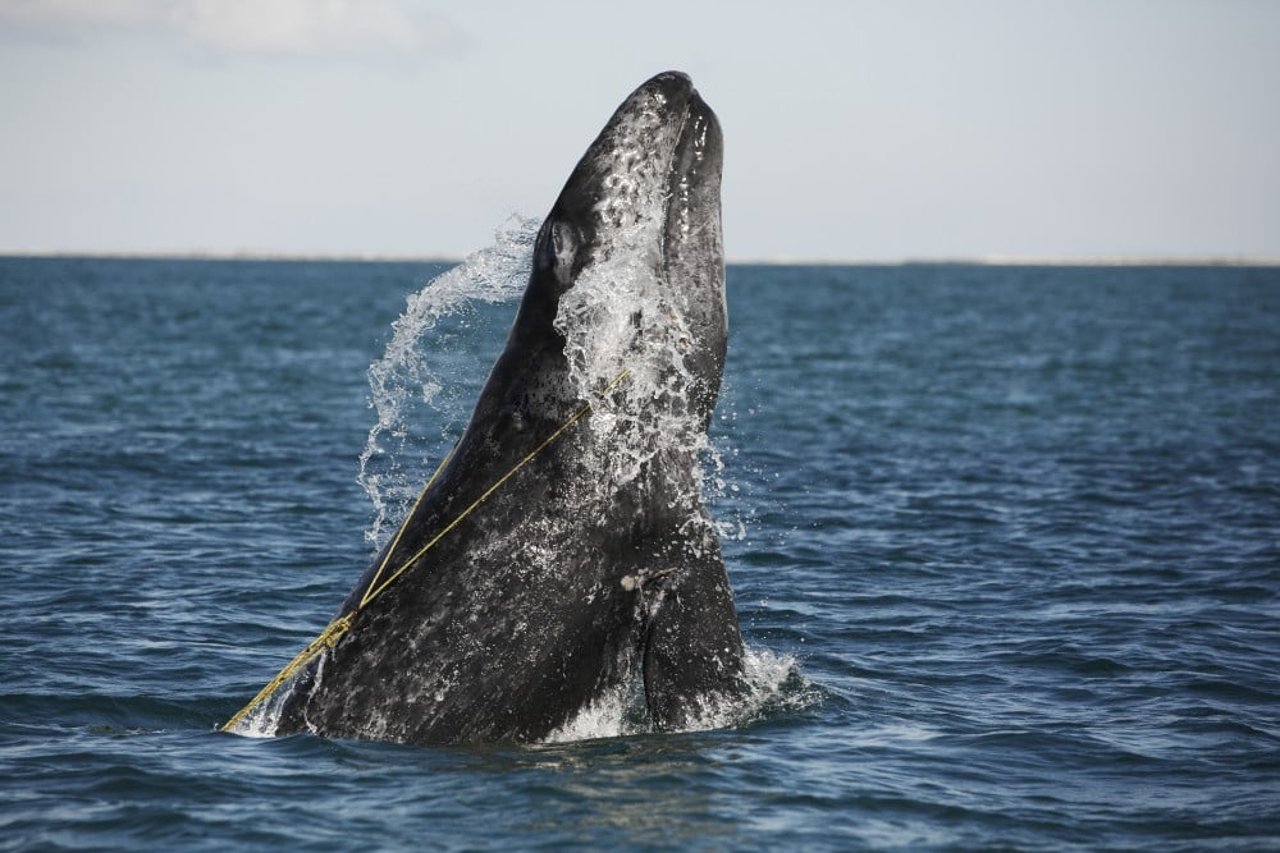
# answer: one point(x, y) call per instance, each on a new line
point(1009, 535)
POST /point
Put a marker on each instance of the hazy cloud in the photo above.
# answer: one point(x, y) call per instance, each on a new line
point(298, 28)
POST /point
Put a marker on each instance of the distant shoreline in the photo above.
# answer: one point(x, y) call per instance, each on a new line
point(380, 257)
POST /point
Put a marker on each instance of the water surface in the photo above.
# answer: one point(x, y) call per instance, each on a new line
point(1019, 527)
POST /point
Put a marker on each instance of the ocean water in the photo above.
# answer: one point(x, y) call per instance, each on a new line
point(1014, 533)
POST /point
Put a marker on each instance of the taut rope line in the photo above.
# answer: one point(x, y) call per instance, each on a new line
point(334, 631)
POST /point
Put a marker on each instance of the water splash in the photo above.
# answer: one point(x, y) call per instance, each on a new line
point(406, 385)
point(619, 315)
point(264, 719)
point(774, 685)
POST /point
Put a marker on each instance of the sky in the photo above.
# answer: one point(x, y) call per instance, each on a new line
point(853, 130)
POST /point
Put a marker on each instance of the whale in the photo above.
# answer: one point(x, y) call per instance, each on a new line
point(563, 555)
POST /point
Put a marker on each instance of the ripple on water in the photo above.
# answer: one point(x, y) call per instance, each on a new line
point(1009, 544)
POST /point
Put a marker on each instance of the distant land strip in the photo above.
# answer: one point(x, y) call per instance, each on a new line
point(391, 257)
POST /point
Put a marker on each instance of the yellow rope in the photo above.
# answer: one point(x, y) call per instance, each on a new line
point(364, 599)
point(328, 639)
point(334, 630)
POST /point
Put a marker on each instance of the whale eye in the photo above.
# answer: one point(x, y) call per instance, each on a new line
point(555, 247)
point(548, 247)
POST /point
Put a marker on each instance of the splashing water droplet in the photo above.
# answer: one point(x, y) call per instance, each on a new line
point(398, 452)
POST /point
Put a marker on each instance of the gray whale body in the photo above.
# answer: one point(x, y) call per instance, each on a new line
point(594, 570)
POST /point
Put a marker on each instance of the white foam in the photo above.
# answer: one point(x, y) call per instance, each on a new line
point(773, 681)
point(612, 714)
point(264, 719)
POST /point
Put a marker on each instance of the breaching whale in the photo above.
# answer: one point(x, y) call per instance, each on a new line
point(563, 552)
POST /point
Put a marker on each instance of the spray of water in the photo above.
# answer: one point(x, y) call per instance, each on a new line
point(406, 386)
point(774, 685)
point(617, 316)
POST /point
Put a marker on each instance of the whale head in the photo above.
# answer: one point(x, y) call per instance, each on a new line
point(631, 254)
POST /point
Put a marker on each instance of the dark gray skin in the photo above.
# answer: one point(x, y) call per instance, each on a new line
point(560, 587)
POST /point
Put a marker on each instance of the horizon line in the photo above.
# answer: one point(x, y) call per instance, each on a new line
point(1169, 260)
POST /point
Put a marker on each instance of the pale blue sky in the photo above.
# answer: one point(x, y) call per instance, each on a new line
point(854, 130)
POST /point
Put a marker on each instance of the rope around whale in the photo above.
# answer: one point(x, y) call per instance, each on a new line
point(334, 631)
